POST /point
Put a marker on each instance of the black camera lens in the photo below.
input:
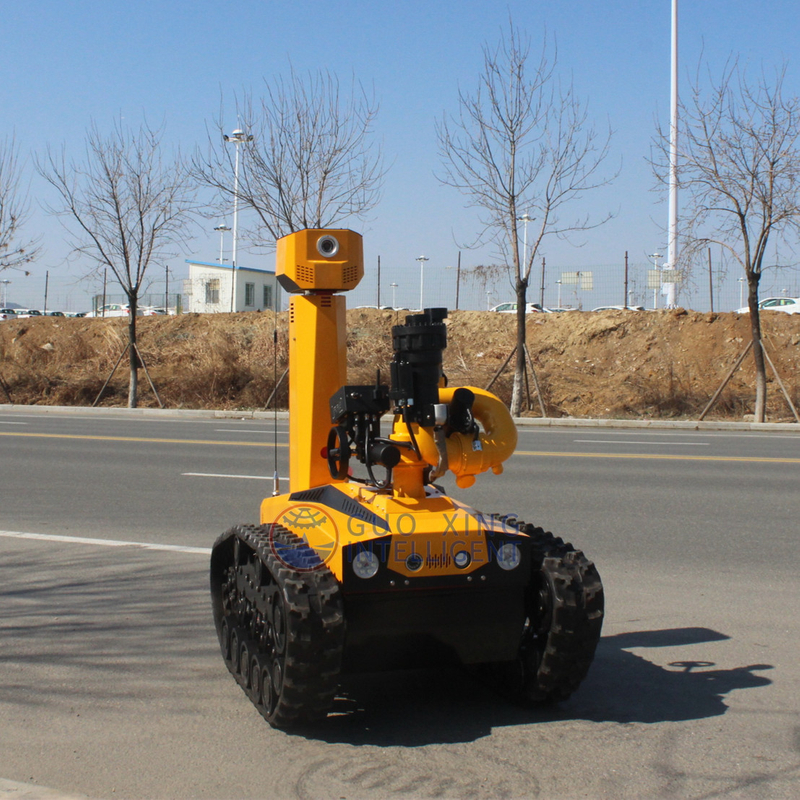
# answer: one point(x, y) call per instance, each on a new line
point(327, 246)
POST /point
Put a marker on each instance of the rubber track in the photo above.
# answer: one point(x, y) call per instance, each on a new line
point(313, 614)
point(555, 661)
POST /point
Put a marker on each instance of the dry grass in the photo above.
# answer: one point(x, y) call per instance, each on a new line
point(612, 364)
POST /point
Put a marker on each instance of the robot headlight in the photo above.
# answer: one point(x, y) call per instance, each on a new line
point(508, 556)
point(366, 564)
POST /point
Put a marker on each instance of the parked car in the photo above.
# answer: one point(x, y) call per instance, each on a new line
point(26, 313)
point(789, 305)
point(8, 313)
point(511, 308)
point(618, 308)
point(150, 311)
point(54, 314)
point(114, 310)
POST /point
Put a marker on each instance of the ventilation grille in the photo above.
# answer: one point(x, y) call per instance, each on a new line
point(437, 562)
point(305, 274)
point(310, 495)
point(350, 274)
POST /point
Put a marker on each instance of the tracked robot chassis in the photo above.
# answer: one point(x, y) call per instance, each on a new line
point(349, 573)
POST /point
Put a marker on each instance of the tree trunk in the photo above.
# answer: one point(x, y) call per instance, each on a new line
point(758, 353)
point(519, 364)
point(133, 385)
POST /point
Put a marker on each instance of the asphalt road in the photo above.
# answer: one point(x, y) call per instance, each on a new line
point(111, 683)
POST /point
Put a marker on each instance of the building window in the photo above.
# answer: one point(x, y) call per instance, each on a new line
point(212, 291)
point(249, 294)
point(267, 296)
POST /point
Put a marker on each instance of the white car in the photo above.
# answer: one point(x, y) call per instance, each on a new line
point(114, 310)
point(618, 308)
point(27, 313)
point(511, 308)
point(8, 313)
point(789, 305)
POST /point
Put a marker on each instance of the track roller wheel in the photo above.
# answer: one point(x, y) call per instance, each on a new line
point(283, 608)
point(563, 620)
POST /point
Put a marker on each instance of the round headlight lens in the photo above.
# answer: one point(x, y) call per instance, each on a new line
point(414, 562)
point(462, 559)
point(327, 246)
point(366, 564)
point(508, 556)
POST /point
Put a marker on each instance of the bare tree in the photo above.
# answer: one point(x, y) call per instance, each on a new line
point(521, 145)
point(127, 205)
point(311, 161)
point(13, 211)
point(739, 172)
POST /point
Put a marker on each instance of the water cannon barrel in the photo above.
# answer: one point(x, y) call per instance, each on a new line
point(416, 368)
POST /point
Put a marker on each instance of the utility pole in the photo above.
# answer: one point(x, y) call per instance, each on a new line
point(710, 281)
point(46, 283)
point(541, 295)
point(379, 281)
point(458, 278)
point(625, 305)
point(672, 251)
point(422, 260)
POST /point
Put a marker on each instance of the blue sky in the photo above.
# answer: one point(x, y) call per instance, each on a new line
point(65, 64)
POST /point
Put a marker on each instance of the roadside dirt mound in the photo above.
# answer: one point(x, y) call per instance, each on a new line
point(612, 364)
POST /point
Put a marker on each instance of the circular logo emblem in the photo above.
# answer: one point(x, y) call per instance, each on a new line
point(314, 527)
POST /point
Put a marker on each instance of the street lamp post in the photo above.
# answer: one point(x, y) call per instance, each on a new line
point(741, 292)
point(223, 229)
point(5, 283)
point(655, 257)
point(422, 260)
point(394, 296)
point(558, 283)
point(238, 137)
point(526, 218)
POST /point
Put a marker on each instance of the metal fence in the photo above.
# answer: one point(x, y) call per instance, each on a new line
point(553, 285)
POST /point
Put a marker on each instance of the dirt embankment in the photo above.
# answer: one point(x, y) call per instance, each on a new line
point(611, 364)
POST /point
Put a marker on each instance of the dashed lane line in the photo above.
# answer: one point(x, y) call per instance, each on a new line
point(663, 457)
point(52, 537)
point(146, 439)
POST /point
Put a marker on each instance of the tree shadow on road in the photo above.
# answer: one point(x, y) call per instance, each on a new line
point(436, 707)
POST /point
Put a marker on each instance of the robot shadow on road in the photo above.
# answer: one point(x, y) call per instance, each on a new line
point(426, 707)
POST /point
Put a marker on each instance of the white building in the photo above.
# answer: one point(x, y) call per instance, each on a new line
point(214, 287)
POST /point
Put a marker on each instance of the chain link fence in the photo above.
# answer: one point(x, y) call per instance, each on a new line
point(718, 286)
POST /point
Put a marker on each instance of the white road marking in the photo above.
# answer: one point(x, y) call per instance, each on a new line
point(641, 432)
point(6, 422)
point(221, 475)
point(52, 537)
point(669, 444)
point(247, 430)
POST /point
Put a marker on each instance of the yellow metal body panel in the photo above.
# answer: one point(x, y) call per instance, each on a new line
point(301, 263)
point(318, 359)
point(435, 527)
